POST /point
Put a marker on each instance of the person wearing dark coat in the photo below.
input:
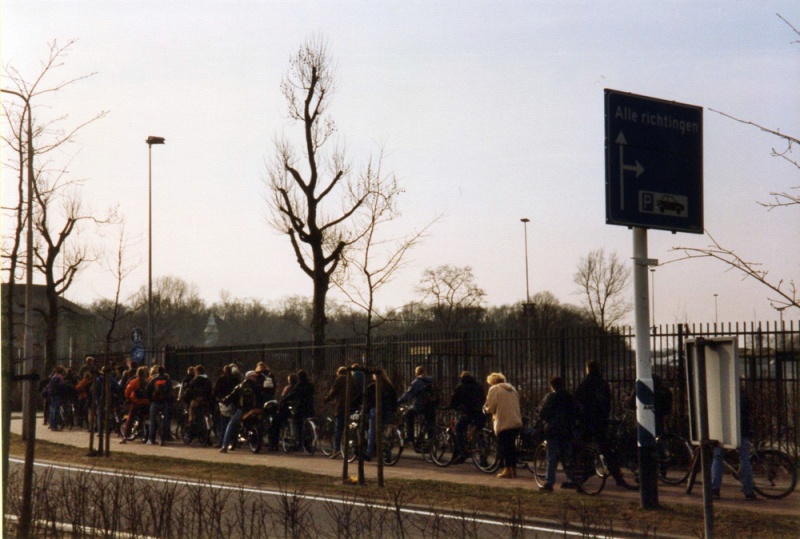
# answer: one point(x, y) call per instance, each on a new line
point(593, 400)
point(419, 407)
point(199, 393)
point(338, 394)
point(557, 413)
point(300, 398)
point(223, 386)
point(388, 407)
point(468, 399)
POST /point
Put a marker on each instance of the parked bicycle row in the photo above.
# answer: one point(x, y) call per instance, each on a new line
point(484, 427)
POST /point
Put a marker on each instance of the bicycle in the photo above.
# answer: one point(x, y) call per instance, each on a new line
point(308, 439)
point(203, 427)
point(326, 429)
point(357, 437)
point(425, 433)
point(583, 465)
point(248, 431)
point(480, 445)
point(774, 472)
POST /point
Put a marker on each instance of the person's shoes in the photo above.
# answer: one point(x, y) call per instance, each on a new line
point(506, 473)
point(223, 450)
point(546, 488)
point(627, 486)
point(750, 497)
point(568, 485)
point(150, 442)
point(715, 493)
point(459, 459)
point(367, 458)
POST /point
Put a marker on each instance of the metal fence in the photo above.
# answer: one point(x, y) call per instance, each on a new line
point(770, 355)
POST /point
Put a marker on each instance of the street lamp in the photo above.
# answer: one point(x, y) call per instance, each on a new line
point(525, 222)
point(150, 141)
point(716, 311)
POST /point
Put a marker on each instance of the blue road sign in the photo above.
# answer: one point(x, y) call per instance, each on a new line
point(137, 353)
point(654, 163)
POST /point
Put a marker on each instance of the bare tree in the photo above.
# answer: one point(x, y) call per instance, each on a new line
point(373, 259)
point(451, 295)
point(602, 281)
point(47, 136)
point(786, 293)
point(314, 198)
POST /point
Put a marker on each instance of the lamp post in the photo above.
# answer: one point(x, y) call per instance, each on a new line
point(653, 297)
point(150, 141)
point(716, 311)
point(525, 222)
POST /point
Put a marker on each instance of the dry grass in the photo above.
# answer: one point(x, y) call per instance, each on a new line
point(514, 505)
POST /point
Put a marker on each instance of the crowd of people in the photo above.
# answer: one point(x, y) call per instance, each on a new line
point(235, 394)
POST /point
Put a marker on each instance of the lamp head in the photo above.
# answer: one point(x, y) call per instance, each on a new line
point(525, 220)
point(155, 140)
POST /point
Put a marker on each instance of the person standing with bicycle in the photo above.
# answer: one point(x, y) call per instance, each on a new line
point(593, 400)
point(420, 392)
point(135, 394)
point(158, 392)
point(745, 468)
point(388, 407)
point(468, 399)
point(557, 413)
point(244, 398)
point(502, 402)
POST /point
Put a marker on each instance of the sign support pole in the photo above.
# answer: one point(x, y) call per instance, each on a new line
point(645, 397)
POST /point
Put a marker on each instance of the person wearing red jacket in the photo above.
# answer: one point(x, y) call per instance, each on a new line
point(135, 394)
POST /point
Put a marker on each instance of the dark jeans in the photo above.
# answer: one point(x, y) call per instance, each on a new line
point(156, 407)
point(338, 431)
point(507, 448)
point(461, 430)
point(599, 433)
point(428, 417)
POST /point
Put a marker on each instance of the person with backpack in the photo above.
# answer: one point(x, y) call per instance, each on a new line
point(502, 401)
point(424, 394)
point(468, 399)
point(593, 401)
point(199, 393)
point(158, 393)
point(244, 398)
point(300, 397)
point(135, 393)
point(557, 413)
point(266, 381)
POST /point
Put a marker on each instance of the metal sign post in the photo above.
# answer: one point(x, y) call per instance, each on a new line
point(654, 179)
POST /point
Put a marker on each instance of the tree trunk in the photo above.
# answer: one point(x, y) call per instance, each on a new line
point(319, 321)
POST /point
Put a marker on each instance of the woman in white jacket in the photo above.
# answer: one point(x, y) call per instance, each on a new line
point(502, 402)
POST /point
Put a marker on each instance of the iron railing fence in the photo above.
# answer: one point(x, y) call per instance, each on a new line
point(770, 355)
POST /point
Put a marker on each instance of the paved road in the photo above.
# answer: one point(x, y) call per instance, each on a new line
point(410, 467)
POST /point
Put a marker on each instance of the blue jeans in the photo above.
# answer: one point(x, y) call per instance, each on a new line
point(745, 468)
point(223, 426)
point(156, 407)
point(556, 449)
point(55, 404)
point(233, 426)
point(387, 419)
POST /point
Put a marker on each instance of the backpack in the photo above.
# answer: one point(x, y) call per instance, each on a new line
point(247, 397)
point(160, 389)
point(431, 396)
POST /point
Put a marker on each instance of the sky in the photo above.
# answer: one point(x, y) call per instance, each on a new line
point(489, 112)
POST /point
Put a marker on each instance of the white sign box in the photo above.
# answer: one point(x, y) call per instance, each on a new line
point(722, 370)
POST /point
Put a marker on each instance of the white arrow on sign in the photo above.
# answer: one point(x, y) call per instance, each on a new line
point(638, 168)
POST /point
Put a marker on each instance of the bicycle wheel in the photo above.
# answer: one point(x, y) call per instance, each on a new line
point(539, 466)
point(484, 451)
point(352, 444)
point(185, 432)
point(443, 448)
point(392, 445)
point(674, 459)
point(287, 442)
point(253, 438)
point(134, 432)
point(588, 471)
point(774, 473)
point(325, 433)
point(308, 438)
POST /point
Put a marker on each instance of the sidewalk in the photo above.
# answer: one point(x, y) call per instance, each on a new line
point(410, 467)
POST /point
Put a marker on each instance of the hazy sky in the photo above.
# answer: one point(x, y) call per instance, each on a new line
point(490, 112)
